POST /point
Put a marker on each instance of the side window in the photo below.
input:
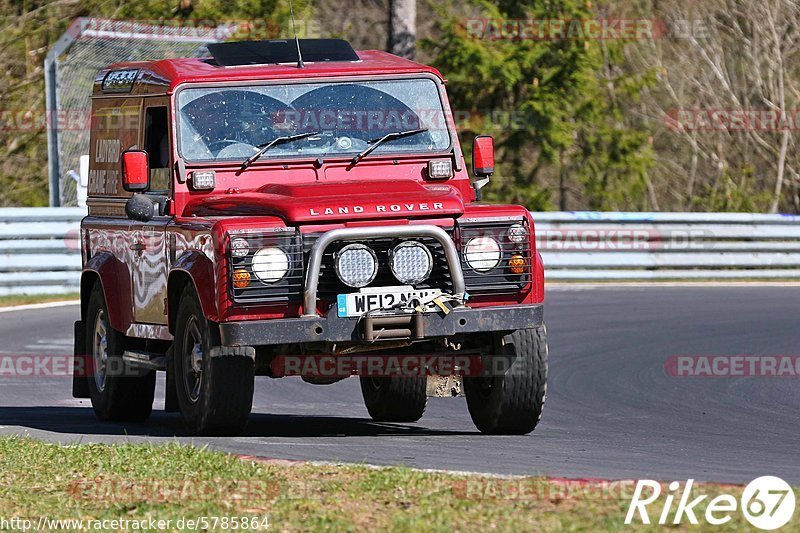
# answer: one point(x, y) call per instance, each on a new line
point(157, 145)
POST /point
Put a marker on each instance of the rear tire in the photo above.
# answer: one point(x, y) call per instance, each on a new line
point(215, 394)
point(119, 398)
point(394, 399)
point(512, 404)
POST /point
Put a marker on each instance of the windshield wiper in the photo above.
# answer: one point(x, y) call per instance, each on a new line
point(388, 137)
point(266, 146)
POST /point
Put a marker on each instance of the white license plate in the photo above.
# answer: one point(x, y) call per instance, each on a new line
point(357, 303)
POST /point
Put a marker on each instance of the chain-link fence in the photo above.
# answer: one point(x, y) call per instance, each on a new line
point(70, 69)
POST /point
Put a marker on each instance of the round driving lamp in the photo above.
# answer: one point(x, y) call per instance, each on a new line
point(356, 265)
point(411, 262)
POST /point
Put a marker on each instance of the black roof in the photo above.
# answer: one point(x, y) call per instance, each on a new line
point(281, 51)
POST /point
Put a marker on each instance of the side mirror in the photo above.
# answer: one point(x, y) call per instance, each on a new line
point(135, 171)
point(483, 156)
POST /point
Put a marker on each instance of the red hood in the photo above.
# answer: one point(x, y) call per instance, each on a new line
point(326, 202)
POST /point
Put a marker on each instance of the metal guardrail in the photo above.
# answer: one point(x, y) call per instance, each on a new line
point(40, 247)
point(40, 250)
point(668, 246)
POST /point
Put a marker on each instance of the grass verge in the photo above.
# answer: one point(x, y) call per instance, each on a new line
point(25, 299)
point(174, 482)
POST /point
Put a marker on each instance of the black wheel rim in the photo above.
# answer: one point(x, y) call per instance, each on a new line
point(100, 350)
point(192, 358)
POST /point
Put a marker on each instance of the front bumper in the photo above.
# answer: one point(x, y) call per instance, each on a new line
point(331, 328)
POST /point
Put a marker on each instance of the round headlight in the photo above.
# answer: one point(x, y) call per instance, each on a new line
point(239, 248)
point(270, 264)
point(411, 262)
point(517, 233)
point(482, 253)
point(356, 265)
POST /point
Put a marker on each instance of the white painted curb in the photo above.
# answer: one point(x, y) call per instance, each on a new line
point(45, 305)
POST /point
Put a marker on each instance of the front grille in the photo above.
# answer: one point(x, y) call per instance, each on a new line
point(288, 289)
point(501, 279)
point(298, 248)
point(330, 285)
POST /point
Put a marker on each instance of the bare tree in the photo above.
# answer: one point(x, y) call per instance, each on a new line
point(743, 63)
point(403, 27)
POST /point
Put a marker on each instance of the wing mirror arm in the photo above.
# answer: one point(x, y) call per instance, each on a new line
point(478, 185)
point(482, 162)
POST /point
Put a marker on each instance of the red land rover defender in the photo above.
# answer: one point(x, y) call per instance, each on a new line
point(247, 208)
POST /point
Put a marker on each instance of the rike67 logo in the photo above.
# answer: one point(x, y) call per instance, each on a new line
point(767, 502)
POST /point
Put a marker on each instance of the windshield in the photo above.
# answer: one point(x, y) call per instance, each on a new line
point(230, 123)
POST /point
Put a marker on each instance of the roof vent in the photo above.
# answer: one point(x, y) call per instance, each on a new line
point(281, 51)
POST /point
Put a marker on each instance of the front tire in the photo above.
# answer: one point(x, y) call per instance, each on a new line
point(215, 394)
point(512, 403)
point(394, 399)
point(115, 396)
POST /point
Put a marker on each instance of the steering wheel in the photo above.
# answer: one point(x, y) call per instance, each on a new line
point(237, 151)
point(224, 142)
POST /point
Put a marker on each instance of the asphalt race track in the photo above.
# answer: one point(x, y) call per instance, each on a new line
point(612, 411)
